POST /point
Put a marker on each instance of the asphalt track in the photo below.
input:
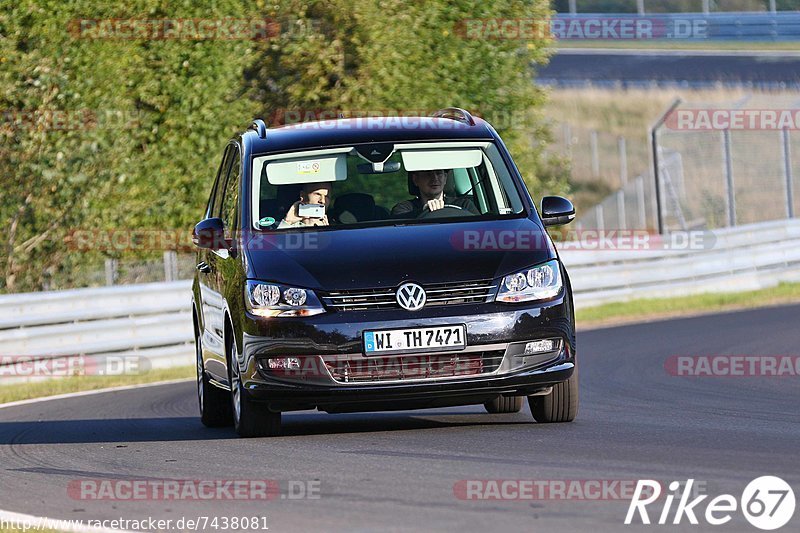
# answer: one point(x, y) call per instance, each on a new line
point(397, 471)
point(674, 68)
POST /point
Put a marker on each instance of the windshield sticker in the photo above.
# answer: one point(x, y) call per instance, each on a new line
point(308, 167)
point(266, 221)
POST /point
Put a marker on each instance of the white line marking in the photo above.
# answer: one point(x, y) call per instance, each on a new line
point(92, 392)
point(53, 523)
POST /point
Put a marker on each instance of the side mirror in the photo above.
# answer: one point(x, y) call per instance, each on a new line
point(557, 210)
point(210, 233)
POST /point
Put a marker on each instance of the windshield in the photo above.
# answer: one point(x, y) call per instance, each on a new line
point(377, 184)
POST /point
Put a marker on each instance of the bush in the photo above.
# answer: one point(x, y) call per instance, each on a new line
point(146, 120)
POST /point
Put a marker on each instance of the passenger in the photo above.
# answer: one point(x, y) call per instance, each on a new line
point(430, 184)
point(311, 193)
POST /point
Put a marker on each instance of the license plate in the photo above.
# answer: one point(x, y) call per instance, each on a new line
point(412, 340)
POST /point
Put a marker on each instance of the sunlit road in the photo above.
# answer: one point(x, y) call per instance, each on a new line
point(397, 471)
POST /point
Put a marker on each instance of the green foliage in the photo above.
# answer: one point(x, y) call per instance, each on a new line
point(154, 115)
point(147, 118)
point(403, 56)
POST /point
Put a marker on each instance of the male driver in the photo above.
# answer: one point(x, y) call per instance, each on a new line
point(431, 195)
point(311, 193)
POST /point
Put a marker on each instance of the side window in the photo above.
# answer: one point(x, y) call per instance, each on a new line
point(219, 188)
point(230, 202)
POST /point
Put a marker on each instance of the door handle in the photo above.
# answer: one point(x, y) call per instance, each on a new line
point(203, 267)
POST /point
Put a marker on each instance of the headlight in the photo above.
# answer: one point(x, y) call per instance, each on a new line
point(538, 283)
point(271, 300)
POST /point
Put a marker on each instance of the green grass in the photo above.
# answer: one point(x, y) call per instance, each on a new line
point(639, 310)
point(51, 387)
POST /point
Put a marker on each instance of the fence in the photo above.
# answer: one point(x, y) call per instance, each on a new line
point(597, 155)
point(93, 270)
point(644, 7)
point(712, 166)
point(610, 178)
point(721, 165)
point(600, 164)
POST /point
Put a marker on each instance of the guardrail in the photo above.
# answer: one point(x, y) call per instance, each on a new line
point(739, 258)
point(780, 26)
point(154, 320)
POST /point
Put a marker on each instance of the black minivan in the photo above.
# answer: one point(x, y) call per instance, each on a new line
point(368, 264)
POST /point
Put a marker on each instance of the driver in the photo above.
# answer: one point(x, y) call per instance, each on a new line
point(431, 195)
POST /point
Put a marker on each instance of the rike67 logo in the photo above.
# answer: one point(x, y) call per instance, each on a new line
point(767, 502)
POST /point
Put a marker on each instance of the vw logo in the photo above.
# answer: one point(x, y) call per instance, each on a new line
point(411, 296)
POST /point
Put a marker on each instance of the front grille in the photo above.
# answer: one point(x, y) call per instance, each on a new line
point(451, 293)
point(413, 367)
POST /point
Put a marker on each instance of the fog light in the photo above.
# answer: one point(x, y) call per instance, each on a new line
point(284, 363)
point(540, 346)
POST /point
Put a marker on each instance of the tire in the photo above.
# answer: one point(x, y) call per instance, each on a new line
point(504, 404)
point(215, 405)
point(561, 405)
point(250, 419)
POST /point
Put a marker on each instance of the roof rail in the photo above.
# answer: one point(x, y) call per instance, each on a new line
point(259, 126)
point(455, 113)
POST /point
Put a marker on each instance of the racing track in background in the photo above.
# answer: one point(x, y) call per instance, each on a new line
point(695, 69)
point(396, 470)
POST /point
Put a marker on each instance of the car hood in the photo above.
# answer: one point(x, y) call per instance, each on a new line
point(384, 256)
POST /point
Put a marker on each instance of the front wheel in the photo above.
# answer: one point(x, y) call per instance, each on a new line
point(250, 419)
point(561, 405)
point(215, 407)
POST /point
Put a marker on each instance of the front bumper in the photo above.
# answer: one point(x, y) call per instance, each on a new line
point(490, 327)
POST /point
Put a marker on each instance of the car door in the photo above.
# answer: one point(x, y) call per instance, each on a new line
point(212, 302)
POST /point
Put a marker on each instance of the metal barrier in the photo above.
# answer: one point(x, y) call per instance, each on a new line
point(154, 320)
point(647, 7)
point(781, 26)
point(151, 321)
point(743, 258)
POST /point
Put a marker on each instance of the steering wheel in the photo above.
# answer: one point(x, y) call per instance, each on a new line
point(449, 210)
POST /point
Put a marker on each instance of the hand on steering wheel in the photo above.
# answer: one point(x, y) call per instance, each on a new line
point(438, 203)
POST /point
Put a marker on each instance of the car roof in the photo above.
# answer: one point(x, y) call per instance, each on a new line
point(350, 131)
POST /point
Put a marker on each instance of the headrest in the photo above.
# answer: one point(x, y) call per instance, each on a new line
point(354, 207)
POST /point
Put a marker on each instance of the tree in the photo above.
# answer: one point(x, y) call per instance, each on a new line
point(124, 131)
